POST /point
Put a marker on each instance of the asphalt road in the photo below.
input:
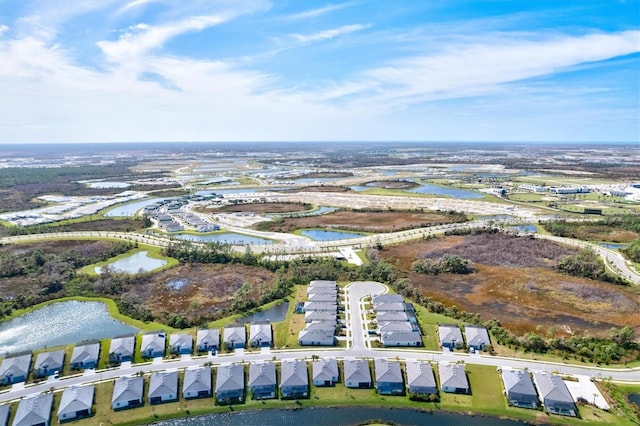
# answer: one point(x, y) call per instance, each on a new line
point(358, 332)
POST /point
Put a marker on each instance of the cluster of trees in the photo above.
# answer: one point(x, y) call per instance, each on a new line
point(563, 228)
point(448, 263)
point(632, 251)
point(587, 264)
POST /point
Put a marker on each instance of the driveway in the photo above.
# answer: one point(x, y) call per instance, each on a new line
point(357, 328)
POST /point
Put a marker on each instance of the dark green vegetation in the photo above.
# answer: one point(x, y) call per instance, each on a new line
point(632, 251)
point(21, 185)
point(617, 229)
point(87, 223)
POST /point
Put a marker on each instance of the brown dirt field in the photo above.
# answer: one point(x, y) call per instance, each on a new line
point(261, 208)
point(522, 296)
point(360, 221)
point(209, 289)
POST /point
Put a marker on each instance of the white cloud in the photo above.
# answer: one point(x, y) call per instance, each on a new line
point(132, 45)
point(3, 29)
point(329, 34)
point(135, 4)
point(313, 13)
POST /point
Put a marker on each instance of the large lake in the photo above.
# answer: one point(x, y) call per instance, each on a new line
point(137, 262)
point(323, 235)
point(225, 237)
point(60, 323)
point(340, 416)
point(450, 192)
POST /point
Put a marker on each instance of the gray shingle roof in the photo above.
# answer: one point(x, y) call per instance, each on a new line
point(324, 369)
point(356, 370)
point(391, 316)
point(389, 307)
point(236, 334)
point(34, 409)
point(387, 371)
point(85, 353)
point(262, 374)
point(209, 337)
point(127, 389)
point(306, 335)
point(261, 332)
point(518, 381)
point(387, 298)
point(420, 374)
point(552, 388)
point(230, 377)
point(323, 283)
point(16, 366)
point(320, 316)
point(4, 414)
point(153, 341)
point(293, 373)
point(453, 376)
point(76, 398)
point(182, 340)
point(50, 360)
point(448, 333)
point(124, 346)
point(163, 383)
point(197, 380)
point(476, 335)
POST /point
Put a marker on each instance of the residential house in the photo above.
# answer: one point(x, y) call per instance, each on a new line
point(4, 415)
point(121, 349)
point(401, 338)
point(320, 317)
point(323, 283)
point(477, 337)
point(163, 387)
point(294, 379)
point(420, 378)
point(230, 384)
point(519, 389)
point(450, 336)
point(48, 363)
point(321, 297)
point(15, 369)
point(260, 335)
point(34, 410)
point(197, 383)
point(391, 316)
point(320, 307)
point(85, 356)
point(316, 337)
point(390, 307)
point(554, 394)
point(235, 337)
point(387, 298)
point(324, 326)
point(324, 372)
point(208, 339)
point(127, 392)
point(76, 403)
point(153, 345)
point(389, 326)
point(180, 343)
point(322, 290)
point(356, 373)
point(262, 380)
point(388, 377)
point(453, 378)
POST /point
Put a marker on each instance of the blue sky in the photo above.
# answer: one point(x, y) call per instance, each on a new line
point(204, 70)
